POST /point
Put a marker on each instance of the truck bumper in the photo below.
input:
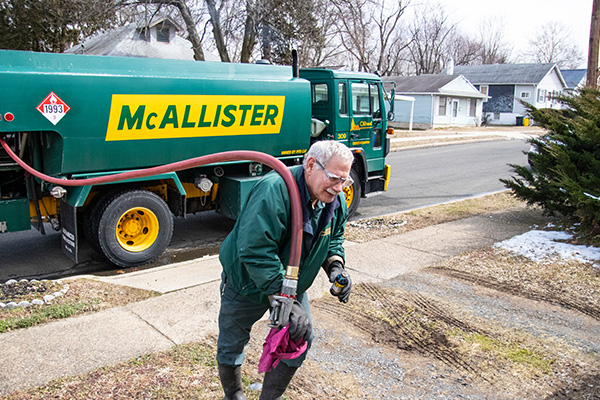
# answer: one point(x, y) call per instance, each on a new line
point(387, 173)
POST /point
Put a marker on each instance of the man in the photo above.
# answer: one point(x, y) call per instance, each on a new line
point(255, 254)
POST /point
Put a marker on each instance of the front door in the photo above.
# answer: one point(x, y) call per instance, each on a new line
point(366, 121)
point(454, 110)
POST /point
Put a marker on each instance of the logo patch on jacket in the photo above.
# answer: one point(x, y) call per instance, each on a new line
point(326, 232)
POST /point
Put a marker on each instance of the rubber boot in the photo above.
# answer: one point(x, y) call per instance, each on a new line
point(231, 380)
point(276, 381)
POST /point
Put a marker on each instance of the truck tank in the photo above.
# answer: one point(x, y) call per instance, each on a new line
point(110, 113)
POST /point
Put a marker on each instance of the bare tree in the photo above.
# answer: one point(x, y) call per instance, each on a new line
point(215, 20)
point(431, 31)
point(463, 49)
point(278, 25)
point(324, 49)
point(391, 42)
point(249, 30)
point(354, 29)
point(370, 31)
point(554, 44)
point(495, 49)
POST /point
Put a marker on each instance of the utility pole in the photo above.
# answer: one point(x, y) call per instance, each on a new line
point(592, 66)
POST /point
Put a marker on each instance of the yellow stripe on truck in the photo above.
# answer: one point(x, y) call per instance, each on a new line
point(137, 117)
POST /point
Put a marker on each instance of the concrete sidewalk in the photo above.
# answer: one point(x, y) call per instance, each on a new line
point(187, 311)
point(466, 134)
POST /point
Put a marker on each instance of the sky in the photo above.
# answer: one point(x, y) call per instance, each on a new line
point(523, 17)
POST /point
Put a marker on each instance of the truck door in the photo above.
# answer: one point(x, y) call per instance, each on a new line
point(366, 128)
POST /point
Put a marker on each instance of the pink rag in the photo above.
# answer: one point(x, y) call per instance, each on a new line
point(278, 346)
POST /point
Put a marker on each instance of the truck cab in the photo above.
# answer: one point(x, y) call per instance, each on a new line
point(351, 106)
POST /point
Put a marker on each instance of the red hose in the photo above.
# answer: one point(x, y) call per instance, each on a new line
point(240, 155)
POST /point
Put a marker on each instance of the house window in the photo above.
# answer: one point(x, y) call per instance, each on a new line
point(342, 102)
point(472, 107)
point(541, 95)
point(525, 95)
point(442, 105)
point(496, 115)
point(163, 35)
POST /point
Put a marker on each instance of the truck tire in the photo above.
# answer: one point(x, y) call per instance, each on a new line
point(91, 220)
point(133, 228)
point(352, 193)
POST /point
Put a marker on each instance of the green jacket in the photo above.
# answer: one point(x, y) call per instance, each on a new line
point(255, 254)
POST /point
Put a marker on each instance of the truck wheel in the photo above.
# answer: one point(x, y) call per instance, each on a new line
point(352, 193)
point(134, 228)
point(92, 219)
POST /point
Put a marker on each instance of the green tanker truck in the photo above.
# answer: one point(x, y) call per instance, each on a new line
point(80, 117)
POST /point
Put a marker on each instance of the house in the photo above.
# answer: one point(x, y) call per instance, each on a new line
point(507, 84)
point(574, 78)
point(439, 100)
point(155, 39)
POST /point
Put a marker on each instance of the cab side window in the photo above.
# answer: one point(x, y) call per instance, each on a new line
point(365, 100)
point(360, 99)
point(375, 105)
point(320, 93)
point(342, 102)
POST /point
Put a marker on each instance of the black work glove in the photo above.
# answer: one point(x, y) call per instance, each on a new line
point(336, 268)
point(300, 323)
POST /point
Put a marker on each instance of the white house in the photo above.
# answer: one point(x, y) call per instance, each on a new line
point(439, 100)
point(506, 84)
point(156, 39)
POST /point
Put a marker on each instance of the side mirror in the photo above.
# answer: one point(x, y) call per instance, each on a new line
point(317, 126)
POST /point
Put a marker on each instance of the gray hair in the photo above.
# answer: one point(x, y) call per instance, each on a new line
point(323, 150)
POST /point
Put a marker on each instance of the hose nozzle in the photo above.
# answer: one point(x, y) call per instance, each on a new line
point(282, 304)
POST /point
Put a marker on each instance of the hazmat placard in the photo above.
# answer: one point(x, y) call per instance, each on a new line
point(53, 108)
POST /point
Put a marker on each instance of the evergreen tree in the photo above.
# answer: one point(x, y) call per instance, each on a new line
point(565, 168)
point(51, 25)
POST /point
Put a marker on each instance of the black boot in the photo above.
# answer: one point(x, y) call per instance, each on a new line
point(276, 381)
point(231, 380)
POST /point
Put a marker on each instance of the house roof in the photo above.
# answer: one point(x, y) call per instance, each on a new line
point(421, 83)
point(159, 20)
point(125, 41)
point(507, 74)
point(573, 77)
point(442, 84)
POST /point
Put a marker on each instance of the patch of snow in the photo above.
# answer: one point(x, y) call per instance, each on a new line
point(542, 245)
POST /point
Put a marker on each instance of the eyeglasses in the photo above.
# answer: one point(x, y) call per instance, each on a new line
point(334, 179)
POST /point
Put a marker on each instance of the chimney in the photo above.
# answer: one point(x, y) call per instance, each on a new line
point(449, 69)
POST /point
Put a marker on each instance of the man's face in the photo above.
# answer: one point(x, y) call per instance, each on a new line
point(319, 183)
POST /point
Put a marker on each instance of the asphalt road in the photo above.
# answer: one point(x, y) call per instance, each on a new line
point(419, 178)
point(428, 176)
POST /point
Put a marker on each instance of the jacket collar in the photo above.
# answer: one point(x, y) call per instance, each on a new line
point(327, 213)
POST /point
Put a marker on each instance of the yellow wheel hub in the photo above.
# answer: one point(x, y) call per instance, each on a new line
point(137, 229)
point(349, 194)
